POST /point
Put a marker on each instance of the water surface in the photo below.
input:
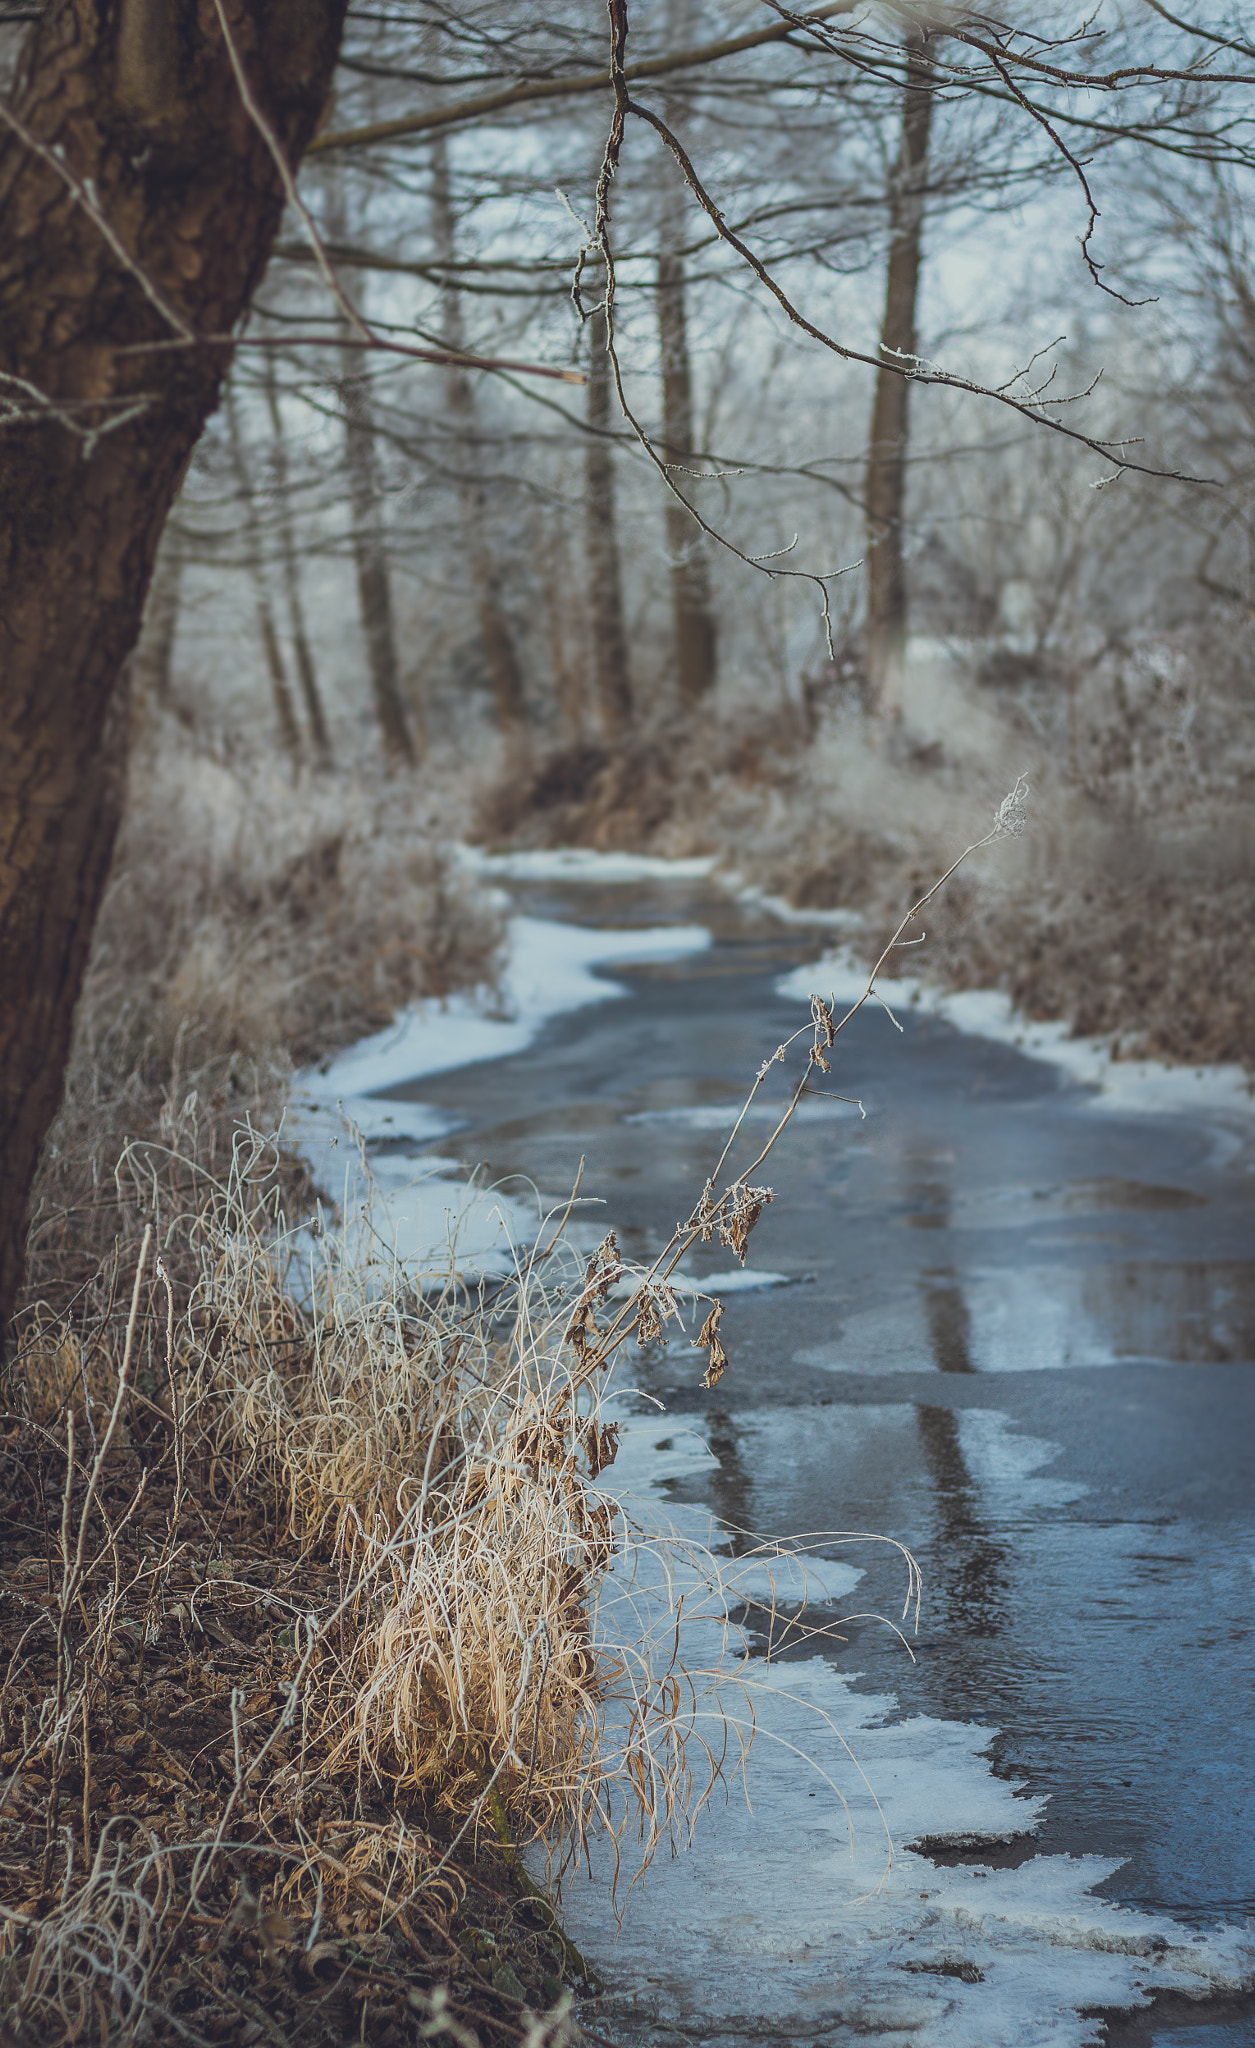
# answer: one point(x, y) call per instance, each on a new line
point(1018, 1338)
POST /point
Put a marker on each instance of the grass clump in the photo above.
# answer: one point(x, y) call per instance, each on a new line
point(299, 1583)
point(308, 1615)
point(303, 1627)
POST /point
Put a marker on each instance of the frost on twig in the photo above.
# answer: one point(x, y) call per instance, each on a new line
point(1011, 816)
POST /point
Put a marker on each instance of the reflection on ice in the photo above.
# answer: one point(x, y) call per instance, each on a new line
point(788, 1919)
point(721, 1116)
point(1033, 1318)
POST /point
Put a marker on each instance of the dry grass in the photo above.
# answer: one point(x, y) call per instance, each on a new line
point(371, 1521)
point(361, 1505)
point(223, 1477)
point(248, 925)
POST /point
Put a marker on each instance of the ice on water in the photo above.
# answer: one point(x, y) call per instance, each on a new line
point(790, 1917)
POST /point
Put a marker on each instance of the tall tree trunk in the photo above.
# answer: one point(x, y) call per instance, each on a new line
point(112, 116)
point(292, 575)
point(267, 632)
point(505, 674)
point(367, 536)
point(886, 465)
point(566, 653)
point(605, 576)
point(374, 587)
point(693, 620)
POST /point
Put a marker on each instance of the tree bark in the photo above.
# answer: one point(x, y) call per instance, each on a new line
point(292, 575)
point(887, 594)
point(130, 114)
point(605, 576)
point(693, 621)
point(505, 674)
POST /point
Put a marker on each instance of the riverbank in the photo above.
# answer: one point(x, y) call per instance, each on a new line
point(1108, 1063)
point(1122, 914)
point(192, 1844)
point(269, 1632)
point(546, 975)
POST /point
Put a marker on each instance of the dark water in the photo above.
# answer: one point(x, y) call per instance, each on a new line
point(987, 1258)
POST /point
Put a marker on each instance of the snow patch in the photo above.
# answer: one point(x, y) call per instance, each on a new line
point(789, 1919)
point(435, 1220)
point(581, 864)
point(742, 1280)
point(1139, 1086)
point(548, 972)
point(721, 1116)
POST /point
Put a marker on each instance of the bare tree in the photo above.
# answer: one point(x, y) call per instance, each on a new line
point(887, 454)
point(291, 570)
point(605, 574)
point(505, 674)
point(142, 175)
point(267, 632)
point(370, 557)
point(693, 622)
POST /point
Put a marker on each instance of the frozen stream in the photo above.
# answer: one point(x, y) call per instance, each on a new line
point(1019, 1339)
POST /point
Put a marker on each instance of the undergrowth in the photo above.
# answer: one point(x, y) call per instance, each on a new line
point(315, 1590)
point(1128, 918)
point(248, 926)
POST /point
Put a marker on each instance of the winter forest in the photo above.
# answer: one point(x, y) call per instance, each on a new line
point(875, 427)
point(453, 450)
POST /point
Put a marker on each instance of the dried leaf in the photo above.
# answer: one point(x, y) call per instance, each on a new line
point(718, 1365)
point(601, 1446)
point(708, 1339)
point(747, 1205)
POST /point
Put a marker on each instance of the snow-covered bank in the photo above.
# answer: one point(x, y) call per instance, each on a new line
point(1150, 1086)
point(788, 1919)
point(438, 1218)
point(1144, 1087)
point(581, 864)
point(548, 972)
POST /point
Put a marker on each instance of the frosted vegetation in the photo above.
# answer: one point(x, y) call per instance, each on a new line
point(598, 564)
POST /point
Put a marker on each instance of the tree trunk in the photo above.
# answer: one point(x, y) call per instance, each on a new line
point(367, 537)
point(292, 575)
point(112, 116)
point(605, 578)
point(567, 655)
point(505, 673)
point(886, 465)
point(691, 610)
point(374, 588)
point(267, 632)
